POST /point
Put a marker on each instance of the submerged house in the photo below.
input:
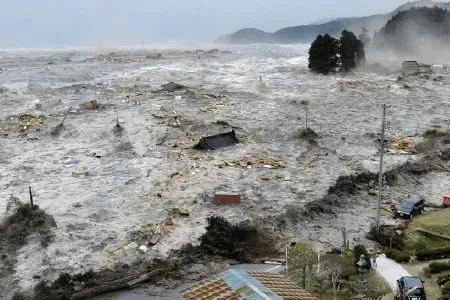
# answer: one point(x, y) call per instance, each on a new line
point(217, 141)
point(412, 67)
point(238, 284)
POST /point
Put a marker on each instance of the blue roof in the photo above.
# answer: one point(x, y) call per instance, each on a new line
point(248, 286)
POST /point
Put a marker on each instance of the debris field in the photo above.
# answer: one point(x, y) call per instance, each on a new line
point(108, 143)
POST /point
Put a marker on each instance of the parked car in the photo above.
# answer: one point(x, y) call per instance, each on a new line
point(410, 208)
point(410, 288)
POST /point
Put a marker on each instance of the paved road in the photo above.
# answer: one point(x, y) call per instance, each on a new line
point(390, 270)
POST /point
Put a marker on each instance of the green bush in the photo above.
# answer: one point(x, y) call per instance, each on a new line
point(398, 255)
point(402, 257)
point(437, 267)
point(446, 289)
point(443, 279)
point(390, 253)
point(436, 253)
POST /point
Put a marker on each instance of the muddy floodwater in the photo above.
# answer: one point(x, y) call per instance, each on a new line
point(106, 188)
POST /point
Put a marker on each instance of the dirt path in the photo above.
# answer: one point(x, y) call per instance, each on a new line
point(390, 271)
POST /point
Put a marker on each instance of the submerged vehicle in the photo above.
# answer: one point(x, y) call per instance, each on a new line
point(410, 208)
point(410, 288)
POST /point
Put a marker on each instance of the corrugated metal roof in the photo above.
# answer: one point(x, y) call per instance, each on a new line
point(238, 284)
point(283, 287)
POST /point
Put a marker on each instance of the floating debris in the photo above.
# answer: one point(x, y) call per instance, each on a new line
point(58, 129)
point(182, 212)
point(402, 146)
point(27, 122)
point(92, 104)
point(224, 198)
point(173, 87)
point(250, 162)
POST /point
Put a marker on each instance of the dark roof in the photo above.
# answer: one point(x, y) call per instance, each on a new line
point(238, 284)
point(411, 282)
point(218, 141)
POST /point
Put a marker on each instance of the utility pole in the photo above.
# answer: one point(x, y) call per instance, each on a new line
point(344, 240)
point(287, 254)
point(380, 176)
point(31, 197)
point(318, 261)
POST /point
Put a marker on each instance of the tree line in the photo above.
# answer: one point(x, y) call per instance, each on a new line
point(425, 27)
point(329, 55)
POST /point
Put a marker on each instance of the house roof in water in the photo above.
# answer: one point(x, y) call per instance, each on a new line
point(218, 141)
point(239, 284)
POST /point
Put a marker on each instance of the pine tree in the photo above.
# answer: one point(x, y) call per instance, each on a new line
point(426, 27)
point(323, 57)
point(351, 51)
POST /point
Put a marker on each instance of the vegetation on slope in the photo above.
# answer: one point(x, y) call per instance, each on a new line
point(416, 31)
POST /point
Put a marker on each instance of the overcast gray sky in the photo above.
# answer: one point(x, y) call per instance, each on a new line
point(42, 23)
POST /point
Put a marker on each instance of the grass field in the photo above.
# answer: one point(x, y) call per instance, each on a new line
point(437, 221)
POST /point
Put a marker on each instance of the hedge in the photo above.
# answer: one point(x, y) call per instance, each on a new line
point(443, 279)
point(446, 289)
point(437, 267)
point(436, 253)
point(398, 255)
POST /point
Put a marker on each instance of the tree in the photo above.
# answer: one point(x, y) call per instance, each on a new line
point(416, 32)
point(323, 57)
point(351, 51)
point(361, 251)
point(376, 287)
point(301, 259)
point(333, 265)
